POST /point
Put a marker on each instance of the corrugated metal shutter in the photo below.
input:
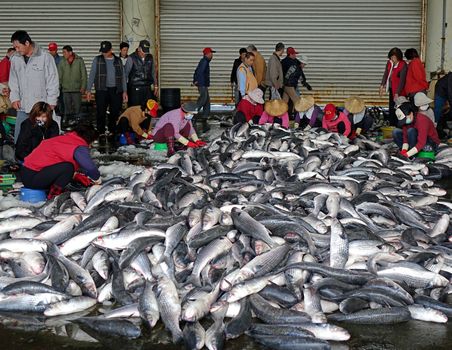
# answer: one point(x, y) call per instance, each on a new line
point(346, 41)
point(83, 24)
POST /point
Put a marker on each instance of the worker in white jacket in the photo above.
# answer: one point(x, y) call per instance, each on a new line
point(33, 77)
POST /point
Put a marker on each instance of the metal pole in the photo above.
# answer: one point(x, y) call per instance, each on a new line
point(443, 37)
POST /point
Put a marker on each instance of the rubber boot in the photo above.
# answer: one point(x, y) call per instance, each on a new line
point(54, 191)
point(205, 126)
point(170, 145)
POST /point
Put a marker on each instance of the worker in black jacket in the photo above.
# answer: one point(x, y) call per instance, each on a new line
point(443, 93)
point(39, 126)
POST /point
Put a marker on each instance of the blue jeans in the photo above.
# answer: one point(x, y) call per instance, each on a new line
point(20, 118)
point(440, 101)
point(397, 134)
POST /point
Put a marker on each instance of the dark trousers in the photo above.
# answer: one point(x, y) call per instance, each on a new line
point(365, 124)
point(392, 119)
point(108, 99)
point(124, 126)
point(203, 102)
point(59, 174)
point(397, 135)
point(239, 117)
point(341, 128)
point(167, 131)
point(139, 95)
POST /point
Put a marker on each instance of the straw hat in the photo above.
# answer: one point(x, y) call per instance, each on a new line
point(276, 108)
point(152, 107)
point(257, 96)
point(354, 104)
point(304, 103)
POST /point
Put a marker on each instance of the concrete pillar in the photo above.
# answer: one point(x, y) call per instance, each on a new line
point(138, 21)
point(434, 35)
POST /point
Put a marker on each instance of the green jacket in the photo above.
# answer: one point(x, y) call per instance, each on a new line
point(72, 76)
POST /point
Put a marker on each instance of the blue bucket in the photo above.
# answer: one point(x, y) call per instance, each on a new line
point(32, 196)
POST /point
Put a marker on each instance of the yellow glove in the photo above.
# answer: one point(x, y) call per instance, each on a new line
point(405, 146)
point(412, 152)
point(194, 137)
point(358, 131)
point(296, 125)
point(183, 140)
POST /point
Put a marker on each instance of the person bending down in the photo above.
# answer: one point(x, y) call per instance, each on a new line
point(250, 108)
point(177, 125)
point(275, 111)
point(358, 115)
point(138, 120)
point(335, 121)
point(417, 131)
point(56, 161)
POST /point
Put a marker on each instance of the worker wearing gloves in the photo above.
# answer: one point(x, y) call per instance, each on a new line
point(360, 120)
point(176, 125)
point(417, 131)
point(309, 115)
point(138, 120)
point(336, 121)
point(56, 161)
point(250, 107)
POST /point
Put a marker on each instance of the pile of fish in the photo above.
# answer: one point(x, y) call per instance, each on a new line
point(266, 232)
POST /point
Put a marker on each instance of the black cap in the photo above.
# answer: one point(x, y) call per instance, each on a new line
point(190, 107)
point(105, 46)
point(145, 46)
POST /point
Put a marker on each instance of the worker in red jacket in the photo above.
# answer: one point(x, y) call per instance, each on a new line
point(415, 77)
point(335, 121)
point(250, 107)
point(417, 131)
point(5, 65)
point(53, 163)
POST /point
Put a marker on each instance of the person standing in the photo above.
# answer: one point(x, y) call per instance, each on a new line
point(259, 67)
point(5, 65)
point(201, 79)
point(246, 80)
point(107, 76)
point(443, 93)
point(53, 51)
point(274, 75)
point(141, 76)
point(72, 73)
point(416, 80)
point(393, 80)
point(237, 62)
point(292, 72)
point(124, 52)
point(33, 77)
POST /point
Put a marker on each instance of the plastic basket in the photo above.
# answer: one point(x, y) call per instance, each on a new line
point(387, 131)
point(160, 146)
point(426, 155)
point(32, 196)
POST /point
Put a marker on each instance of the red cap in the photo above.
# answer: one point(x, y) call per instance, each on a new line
point(329, 111)
point(53, 46)
point(208, 50)
point(291, 51)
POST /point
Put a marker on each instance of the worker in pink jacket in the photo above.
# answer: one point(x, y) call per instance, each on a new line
point(335, 121)
point(275, 111)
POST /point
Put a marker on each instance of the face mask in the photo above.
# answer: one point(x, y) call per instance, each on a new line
point(189, 116)
point(40, 122)
point(424, 107)
point(408, 121)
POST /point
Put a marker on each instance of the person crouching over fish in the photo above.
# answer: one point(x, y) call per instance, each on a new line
point(58, 160)
point(417, 131)
point(137, 119)
point(275, 111)
point(309, 115)
point(335, 121)
point(250, 107)
point(177, 125)
point(360, 120)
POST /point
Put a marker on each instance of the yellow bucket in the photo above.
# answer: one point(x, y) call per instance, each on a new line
point(387, 131)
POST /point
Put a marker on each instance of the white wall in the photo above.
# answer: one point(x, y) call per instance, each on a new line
point(138, 22)
point(434, 33)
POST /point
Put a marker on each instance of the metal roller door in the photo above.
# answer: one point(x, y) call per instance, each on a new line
point(83, 24)
point(346, 41)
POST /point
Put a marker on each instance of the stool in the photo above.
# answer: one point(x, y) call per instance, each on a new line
point(32, 196)
point(160, 146)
